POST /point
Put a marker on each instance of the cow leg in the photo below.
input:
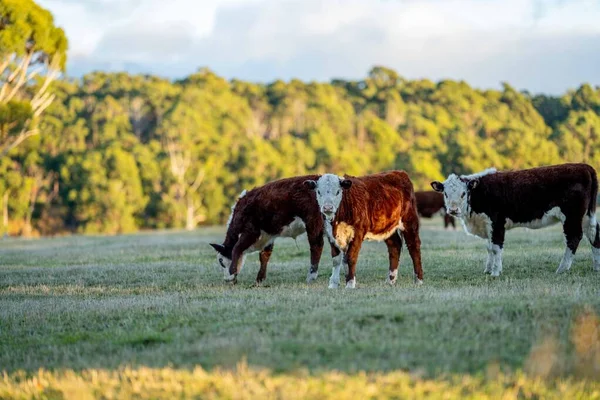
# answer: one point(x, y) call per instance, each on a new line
point(413, 243)
point(573, 234)
point(497, 242)
point(351, 257)
point(246, 240)
point(336, 256)
point(315, 240)
point(394, 245)
point(264, 257)
point(592, 231)
point(489, 264)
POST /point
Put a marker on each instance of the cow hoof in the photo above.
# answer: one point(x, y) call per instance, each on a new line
point(351, 284)
point(418, 282)
point(495, 274)
point(311, 277)
point(392, 277)
point(333, 285)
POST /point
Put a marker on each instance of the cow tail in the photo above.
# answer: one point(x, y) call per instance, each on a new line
point(592, 208)
point(594, 194)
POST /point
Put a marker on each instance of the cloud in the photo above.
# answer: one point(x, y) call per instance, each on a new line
point(543, 46)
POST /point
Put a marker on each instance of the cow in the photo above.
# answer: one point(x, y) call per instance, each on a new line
point(281, 208)
point(375, 207)
point(490, 202)
point(429, 202)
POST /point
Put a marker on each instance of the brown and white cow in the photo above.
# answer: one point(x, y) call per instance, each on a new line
point(429, 203)
point(490, 202)
point(374, 207)
point(281, 208)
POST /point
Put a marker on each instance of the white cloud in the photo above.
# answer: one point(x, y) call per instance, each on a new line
point(533, 44)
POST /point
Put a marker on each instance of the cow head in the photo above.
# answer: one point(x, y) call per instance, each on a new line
point(457, 189)
point(329, 189)
point(223, 259)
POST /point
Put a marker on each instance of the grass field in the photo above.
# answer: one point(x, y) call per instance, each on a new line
point(154, 305)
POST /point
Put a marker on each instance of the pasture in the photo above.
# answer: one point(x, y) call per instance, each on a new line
point(151, 308)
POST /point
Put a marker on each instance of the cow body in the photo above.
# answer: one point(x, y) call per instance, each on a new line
point(430, 202)
point(282, 208)
point(374, 207)
point(491, 202)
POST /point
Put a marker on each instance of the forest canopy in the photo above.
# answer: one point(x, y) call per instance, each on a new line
point(122, 152)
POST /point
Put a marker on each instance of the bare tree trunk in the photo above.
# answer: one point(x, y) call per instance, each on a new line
point(190, 223)
point(5, 213)
point(35, 189)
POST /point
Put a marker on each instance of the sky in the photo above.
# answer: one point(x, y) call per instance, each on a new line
point(541, 46)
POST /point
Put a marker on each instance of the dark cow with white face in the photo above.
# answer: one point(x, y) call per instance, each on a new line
point(374, 207)
point(490, 202)
point(281, 208)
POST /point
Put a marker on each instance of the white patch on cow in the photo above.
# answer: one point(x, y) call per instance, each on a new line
point(383, 236)
point(418, 281)
point(329, 195)
point(343, 235)
point(311, 276)
point(565, 263)
point(550, 217)
point(233, 207)
point(497, 260)
point(392, 277)
point(476, 175)
point(329, 233)
point(334, 280)
point(351, 284)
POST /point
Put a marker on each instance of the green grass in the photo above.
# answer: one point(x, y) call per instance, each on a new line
point(158, 300)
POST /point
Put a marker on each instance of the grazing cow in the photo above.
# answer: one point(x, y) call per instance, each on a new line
point(490, 202)
point(374, 207)
point(282, 208)
point(430, 202)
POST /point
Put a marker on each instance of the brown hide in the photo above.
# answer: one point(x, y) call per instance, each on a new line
point(270, 208)
point(375, 205)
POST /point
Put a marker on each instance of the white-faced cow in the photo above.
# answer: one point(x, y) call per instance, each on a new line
point(374, 207)
point(490, 202)
point(282, 208)
point(429, 203)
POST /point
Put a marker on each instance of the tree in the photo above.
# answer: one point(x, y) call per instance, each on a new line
point(32, 54)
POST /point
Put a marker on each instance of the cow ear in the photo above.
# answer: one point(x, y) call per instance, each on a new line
point(345, 183)
point(219, 248)
point(472, 184)
point(437, 186)
point(310, 184)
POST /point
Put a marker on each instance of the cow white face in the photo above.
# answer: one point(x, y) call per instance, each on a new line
point(223, 259)
point(456, 194)
point(329, 188)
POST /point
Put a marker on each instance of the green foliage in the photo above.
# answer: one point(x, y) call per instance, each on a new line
point(122, 152)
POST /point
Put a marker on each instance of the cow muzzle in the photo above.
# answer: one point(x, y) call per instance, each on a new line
point(328, 211)
point(455, 212)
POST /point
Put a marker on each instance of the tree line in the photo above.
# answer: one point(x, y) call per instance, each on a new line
point(120, 152)
point(114, 152)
